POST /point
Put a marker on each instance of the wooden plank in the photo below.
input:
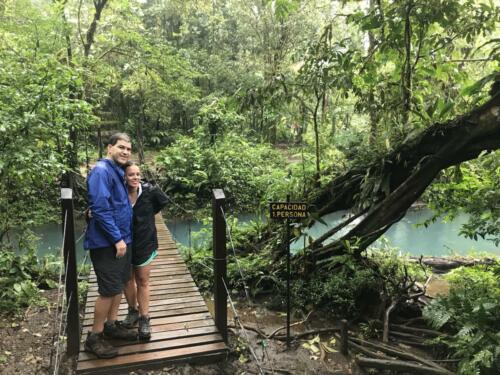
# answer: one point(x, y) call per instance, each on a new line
point(180, 290)
point(173, 319)
point(145, 358)
point(177, 279)
point(163, 301)
point(163, 307)
point(182, 328)
point(157, 285)
point(159, 311)
point(150, 346)
point(157, 273)
point(167, 266)
point(178, 264)
point(166, 274)
point(184, 288)
point(171, 330)
point(163, 313)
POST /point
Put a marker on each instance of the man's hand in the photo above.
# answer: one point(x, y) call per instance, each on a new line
point(121, 248)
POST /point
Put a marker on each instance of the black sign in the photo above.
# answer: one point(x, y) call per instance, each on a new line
point(288, 210)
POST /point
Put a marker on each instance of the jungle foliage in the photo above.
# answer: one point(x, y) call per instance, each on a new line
point(346, 82)
point(23, 278)
point(320, 99)
point(189, 169)
point(471, 316)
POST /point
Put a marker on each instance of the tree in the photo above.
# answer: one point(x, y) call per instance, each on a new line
point(399, 77)
point(36, 111)
point(327, 68)
point(385, 189)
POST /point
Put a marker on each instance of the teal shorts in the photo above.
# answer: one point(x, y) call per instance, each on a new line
point(144, 261)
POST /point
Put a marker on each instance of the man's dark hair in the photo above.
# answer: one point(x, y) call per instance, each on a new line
point(115, 137)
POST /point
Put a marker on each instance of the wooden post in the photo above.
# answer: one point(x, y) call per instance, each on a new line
point(71, 282)
point(220, 266)
point(287, 249)
point(344, 337)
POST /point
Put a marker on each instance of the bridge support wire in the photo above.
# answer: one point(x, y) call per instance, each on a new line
point(245, 287)
point(61, 301)
point(242, 327)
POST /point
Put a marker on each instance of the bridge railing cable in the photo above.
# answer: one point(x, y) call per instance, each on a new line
point(186, 212)
point(242, 327)
point(60, 302)
point(62, 307)
point(247, 295)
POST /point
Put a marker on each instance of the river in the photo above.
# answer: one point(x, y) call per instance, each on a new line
point(438, 239)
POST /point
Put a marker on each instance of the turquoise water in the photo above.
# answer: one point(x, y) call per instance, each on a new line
point(50, 239)
point(439, 238)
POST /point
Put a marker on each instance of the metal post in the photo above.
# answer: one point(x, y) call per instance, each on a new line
point(73, 319)
point(287, 247)
point(220, 267)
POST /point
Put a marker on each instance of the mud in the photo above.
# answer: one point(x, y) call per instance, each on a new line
point(27, 346)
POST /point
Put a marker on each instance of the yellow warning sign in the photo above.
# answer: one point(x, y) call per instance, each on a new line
point(287, 210)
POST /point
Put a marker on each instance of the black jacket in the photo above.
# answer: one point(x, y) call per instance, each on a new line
point(149, 203)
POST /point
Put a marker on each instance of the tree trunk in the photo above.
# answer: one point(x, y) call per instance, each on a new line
point(371, 95)
point(140, 134)
point(72, 150)
point(394, 365)
point(388, 188)
point(316, 137)
point(99, 6)
point(406, 72)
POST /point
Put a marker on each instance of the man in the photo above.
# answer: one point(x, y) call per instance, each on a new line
point(108, 238)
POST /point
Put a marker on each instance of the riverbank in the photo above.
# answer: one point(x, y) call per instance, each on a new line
point(27, 342)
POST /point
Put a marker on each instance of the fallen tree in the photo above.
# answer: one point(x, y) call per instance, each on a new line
point(381, 193)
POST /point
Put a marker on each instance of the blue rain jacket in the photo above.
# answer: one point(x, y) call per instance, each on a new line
point(111, 210)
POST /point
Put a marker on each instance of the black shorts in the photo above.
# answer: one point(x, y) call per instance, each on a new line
point(112, 273)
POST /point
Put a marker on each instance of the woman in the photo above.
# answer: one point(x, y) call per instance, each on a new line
point(147, 201)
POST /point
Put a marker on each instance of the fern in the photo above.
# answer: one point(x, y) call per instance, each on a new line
point(471, 315)
point(437, 314)
point(466, 330)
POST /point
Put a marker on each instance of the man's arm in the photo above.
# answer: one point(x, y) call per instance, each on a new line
point(159, 200)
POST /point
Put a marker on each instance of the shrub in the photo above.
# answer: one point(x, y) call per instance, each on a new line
point(189, 170)
point(347, 290)
point(471, 314)
point(22, 276)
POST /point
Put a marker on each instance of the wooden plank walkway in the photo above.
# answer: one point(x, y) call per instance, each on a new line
point(182, 328)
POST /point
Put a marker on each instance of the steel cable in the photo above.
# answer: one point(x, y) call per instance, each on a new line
point(242, 327)
point(243, 281)
point(59, 294)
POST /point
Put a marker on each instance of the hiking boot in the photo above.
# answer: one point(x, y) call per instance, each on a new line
point(95, 343)
point(118, 331)
point(144, 328)
point(131, 318)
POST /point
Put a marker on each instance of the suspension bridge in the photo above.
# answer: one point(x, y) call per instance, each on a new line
point(182, 328)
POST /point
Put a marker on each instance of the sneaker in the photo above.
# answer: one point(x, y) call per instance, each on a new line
point(96, 344)
point(131, 318)
point(144, 328)
point(118, 331)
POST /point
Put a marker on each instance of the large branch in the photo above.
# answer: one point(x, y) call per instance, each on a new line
point(99, 6)
point(409, 170)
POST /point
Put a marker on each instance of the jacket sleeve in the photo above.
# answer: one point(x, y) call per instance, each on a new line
point(159, 200)
point(99, 199)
